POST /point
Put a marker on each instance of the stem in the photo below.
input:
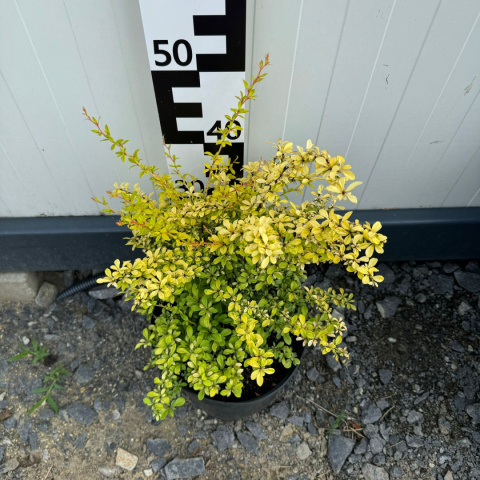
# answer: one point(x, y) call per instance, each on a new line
point(243, 101)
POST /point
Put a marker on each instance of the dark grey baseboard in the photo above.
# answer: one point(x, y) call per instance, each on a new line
point(83, 243)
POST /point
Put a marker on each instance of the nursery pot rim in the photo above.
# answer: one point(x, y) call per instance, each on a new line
point(236, 409)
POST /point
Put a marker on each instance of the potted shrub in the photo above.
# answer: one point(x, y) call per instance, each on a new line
point(221, 271)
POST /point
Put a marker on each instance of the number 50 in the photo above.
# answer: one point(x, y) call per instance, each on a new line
point(168, 58)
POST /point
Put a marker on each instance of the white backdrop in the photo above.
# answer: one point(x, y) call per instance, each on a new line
point(390, 84)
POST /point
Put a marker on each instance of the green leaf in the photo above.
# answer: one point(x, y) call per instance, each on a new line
point(52, 404)
point(37, 405)
point(179, 402)
point(19, 356)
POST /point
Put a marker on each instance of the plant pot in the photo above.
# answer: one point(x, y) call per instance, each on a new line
point(232, 408)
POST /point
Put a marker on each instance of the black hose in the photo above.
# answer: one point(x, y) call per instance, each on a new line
point(80, 286)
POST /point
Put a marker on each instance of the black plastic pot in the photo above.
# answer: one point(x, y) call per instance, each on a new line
point(233, 408)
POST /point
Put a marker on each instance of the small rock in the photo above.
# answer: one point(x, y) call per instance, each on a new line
point(362, 446)
point(421, 398)
point(280, 410)
point(339, 448)
point(371, 472)
point(385, 376)
point(473, 411)
point(148, 472)
point(332, 363)
point(313, 374)
point(456, 346)
point(421, 298)
point(376, 445)
point(84, 374)
point(387, 273)
point(223, 437)
point(45, 455)
point(468, 281)
point(33, 440)
point(450, 267)
point(158, 464)
point(464, 308)
point(256, 430)
point(10, 423)
point(371, 414)
point(441, 284)
point(115, 414)
point(46, 413)
point(98, 404)
point(126, 460)
point(2, 451)
point(248, 442)
point(388, 307)
point(303, 451)
point(444, 426)
point(414, 441)
point(158, 446)
point(414, 417)
point(193, 446)
point(81, 413)
point(109, 472)
point(9, 465)
point(81, 441)
point(88, 322)
point(46, 295)
point(296, 420)
point(448, 476)
point(185, 468)
point(396, 472)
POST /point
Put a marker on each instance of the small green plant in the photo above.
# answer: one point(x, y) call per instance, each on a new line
point(50, 381)
point(335, 424)
point(38, 352)
point(221, 268)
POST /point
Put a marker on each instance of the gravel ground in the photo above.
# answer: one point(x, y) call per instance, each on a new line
point(407, 404)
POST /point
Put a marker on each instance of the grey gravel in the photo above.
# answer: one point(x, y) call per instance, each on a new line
point(256, 430)
point(371, 414)
point(473, 411)
point(158, 464)
point(339, 448)
point(296, 420)
point(415, 417)
point(185, 468)
point(46, 295)
point(313, 374)
point(223, 437)
point(303, 451)
point(468, 281)
point(88, 322)
point(388, 306)
point(81, 413)
point(248, 441)
point(414, 441)
point(371, 472)
point(385, 375)
point(84, 374)
point(158, 446)
point(280, 410)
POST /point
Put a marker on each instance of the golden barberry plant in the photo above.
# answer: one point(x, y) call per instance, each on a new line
point(224, 266)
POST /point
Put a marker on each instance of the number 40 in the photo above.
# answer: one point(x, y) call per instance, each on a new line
point(231, 136)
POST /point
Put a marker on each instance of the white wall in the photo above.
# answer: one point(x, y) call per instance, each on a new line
point(391, 85)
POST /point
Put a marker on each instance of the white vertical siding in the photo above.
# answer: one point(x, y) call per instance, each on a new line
point(393, 85)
